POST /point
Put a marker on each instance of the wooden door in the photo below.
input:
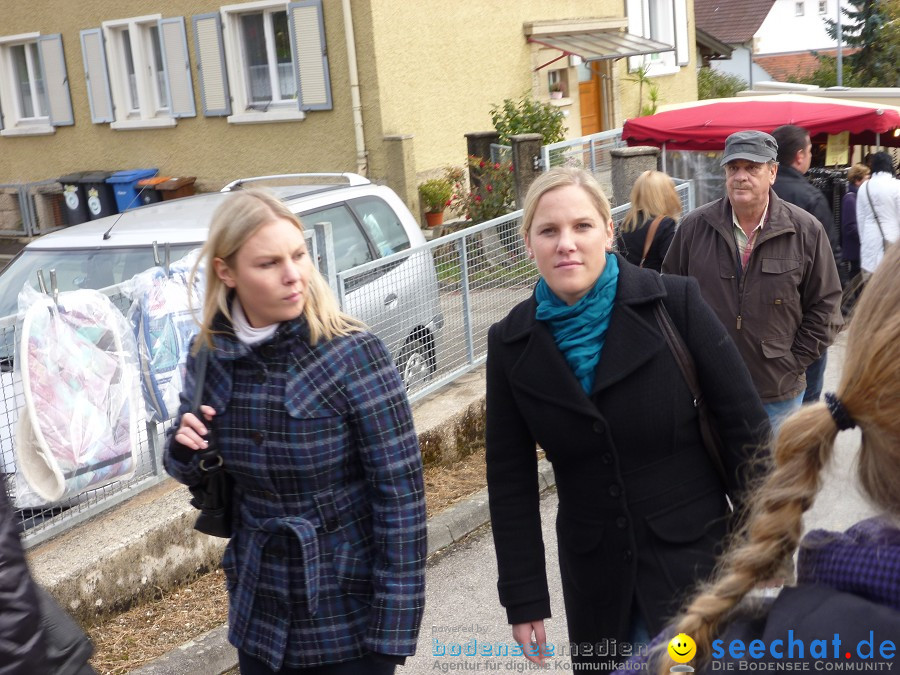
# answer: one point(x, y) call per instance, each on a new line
point(589, 97)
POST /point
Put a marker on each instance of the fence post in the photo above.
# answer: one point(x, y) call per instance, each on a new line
point(325, 254)
point(478, 144)
point(526, 157)
point(627, 165)
point(466, 307)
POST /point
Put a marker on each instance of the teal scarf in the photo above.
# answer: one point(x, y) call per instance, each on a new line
point(580, 329)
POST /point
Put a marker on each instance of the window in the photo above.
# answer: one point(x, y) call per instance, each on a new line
point(34, 90)
point(266, 47)
point(799, 9)
point(382, 224)
point(823, 7)
point(351, 248)
point(664, 21)
point(138, 72)
point(263, 61)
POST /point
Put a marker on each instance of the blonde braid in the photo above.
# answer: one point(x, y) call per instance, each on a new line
point(773, 529)
point(869, 392)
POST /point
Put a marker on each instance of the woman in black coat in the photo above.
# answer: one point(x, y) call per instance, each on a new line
point(582, 370)
point(653, 199)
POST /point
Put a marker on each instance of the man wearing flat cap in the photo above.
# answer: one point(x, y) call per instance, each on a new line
point(766, 268)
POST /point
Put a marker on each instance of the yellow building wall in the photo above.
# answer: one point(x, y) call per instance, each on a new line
point(441, 68)
point(207, 147)
point(427, 69)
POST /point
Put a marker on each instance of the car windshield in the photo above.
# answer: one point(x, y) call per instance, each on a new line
point(76, 268)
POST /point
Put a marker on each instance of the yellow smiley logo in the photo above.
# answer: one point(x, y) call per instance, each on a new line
point(682, 648)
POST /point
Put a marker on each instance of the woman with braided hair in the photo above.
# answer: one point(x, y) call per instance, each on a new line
point(848, 583)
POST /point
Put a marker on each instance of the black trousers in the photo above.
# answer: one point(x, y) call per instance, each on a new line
point(364, 666)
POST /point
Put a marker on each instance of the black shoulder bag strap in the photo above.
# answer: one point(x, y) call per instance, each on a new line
point(688, 368)
point(199, 378)
point(884, 242)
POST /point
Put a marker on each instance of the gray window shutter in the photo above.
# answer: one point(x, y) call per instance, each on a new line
point(682, 46)
point(310, 55)
point(174, 49)
point(211, 65)
point(97, 76)
point(56, 79)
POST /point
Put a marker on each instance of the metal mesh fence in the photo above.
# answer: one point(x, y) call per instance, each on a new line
point(587, 152)
point(432, 306)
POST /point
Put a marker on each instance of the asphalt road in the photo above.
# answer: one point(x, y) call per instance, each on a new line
point(463, 616)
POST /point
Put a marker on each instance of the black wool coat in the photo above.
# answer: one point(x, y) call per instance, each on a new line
point(642, 511)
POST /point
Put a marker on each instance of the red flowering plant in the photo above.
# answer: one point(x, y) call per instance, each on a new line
point(493, 195)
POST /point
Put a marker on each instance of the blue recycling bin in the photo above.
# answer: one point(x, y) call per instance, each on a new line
point(125, 187)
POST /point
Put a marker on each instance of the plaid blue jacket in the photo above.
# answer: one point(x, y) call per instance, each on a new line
point(327, 561)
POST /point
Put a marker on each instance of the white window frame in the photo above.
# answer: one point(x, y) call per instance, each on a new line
point(148, 113)
point(236, 67)
point(14, 121)
point(639, 23)
point(799, 8)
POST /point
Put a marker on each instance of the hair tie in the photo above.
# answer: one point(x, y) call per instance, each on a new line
point(838, 412)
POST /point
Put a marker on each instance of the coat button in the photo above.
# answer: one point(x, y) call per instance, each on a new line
point(260, 377)
point(621, 522)
point(615, 491)
point(258, 437)
point(268, 351)
point(599, 427)
point(627, 555)
point(606, 458)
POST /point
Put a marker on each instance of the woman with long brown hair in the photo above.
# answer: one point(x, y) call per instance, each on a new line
point(848, 583)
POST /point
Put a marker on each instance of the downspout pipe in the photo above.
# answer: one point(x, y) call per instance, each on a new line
point(362, 162)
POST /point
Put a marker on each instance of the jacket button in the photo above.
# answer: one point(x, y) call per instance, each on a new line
point(332, 524)
point(614, 491)
point(268, 351)
point(627, 555)
point(258, 437)
point(621, 522)
point(260, 377)
point(606, 458)
point(599, 427)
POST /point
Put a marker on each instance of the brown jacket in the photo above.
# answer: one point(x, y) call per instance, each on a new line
point(782, 311)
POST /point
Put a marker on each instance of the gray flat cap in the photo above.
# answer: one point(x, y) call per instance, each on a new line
point(754, 146)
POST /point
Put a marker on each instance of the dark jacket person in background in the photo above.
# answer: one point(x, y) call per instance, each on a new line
point(766, 269)
point(583, 370)
point(794, 158)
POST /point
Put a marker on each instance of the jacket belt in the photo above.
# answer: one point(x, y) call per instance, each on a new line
point(260, 532)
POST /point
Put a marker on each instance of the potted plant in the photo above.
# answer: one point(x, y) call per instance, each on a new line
point(435, 194)
point(556, 90)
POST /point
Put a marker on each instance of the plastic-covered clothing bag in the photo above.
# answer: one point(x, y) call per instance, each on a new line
point(78, 429)
point(162, 315)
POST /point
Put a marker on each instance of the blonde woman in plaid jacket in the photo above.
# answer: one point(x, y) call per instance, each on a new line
point(326, 566)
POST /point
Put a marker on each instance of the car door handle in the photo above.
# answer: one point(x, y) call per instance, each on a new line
point(390, 300)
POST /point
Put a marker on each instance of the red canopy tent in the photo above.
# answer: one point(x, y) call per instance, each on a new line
point(705, 125)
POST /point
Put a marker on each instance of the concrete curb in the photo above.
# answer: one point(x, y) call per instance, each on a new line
point(211, 654)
